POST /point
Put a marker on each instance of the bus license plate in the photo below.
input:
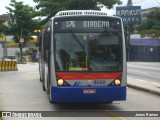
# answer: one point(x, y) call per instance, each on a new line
point(89, 91)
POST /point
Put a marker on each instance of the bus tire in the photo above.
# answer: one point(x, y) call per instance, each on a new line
point(48, 85)
point(40, 79)
point(40, 75)
point(44, 89)
point(48, 90)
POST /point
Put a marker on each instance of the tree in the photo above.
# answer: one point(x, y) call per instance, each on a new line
point(152, 22)
point(151, 27)
point(153, 33)
point(50, 7)
point(129, 3)
point(21, 23)
point(3, 28)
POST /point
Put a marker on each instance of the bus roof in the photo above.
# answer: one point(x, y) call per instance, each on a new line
point(80, 12)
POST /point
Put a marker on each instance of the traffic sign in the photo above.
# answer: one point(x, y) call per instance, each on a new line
point(21, 40)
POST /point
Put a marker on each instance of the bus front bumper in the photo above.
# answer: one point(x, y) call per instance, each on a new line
point(88, 94)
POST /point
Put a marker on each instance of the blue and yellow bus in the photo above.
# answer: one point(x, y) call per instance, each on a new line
point(83, 57)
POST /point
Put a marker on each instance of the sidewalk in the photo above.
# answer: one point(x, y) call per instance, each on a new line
point(143, 85)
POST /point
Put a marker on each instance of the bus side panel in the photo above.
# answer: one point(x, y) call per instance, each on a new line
point(76, 94)
point(124, 75)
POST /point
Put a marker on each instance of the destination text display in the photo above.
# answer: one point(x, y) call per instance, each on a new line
point(89, 24)
point(85, 24)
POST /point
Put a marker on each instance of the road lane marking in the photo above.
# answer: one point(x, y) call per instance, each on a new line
point(148, 82)
point(137, 72)
point(155, 83)
point(115, 116)
point(142, 80)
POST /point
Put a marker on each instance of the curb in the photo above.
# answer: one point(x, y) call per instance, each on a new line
point(22, 63)
point(144, 89)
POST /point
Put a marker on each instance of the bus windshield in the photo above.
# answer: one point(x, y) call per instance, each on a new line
point(99, 51)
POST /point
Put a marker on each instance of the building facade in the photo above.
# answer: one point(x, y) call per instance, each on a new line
point(5, 18)
point(144, 49)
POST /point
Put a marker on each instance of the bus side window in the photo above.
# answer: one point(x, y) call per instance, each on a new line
point(47, 39)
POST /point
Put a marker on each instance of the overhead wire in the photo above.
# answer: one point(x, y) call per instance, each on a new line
point(157, 1)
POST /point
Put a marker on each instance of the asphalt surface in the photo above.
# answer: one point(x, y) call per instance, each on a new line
point(147, 71)
point(144, 76)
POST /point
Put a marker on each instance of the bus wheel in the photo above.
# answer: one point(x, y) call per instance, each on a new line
point(48, 85)
point(44, 89)
point(48, 90)
point(40, 75)
point(40, 79)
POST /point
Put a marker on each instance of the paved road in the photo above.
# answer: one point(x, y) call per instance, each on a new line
point(22, 91)
point(147, 71)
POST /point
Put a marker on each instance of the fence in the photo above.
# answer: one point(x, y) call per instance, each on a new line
point(144, 53)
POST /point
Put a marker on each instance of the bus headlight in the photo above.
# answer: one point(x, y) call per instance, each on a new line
point(60, 82)
point(117, 82)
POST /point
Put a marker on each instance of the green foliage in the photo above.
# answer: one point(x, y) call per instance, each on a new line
point(21, 22)
point(153, 33)
point(129, 3)
point(151, 27)
point(3, 28)
point(152, 22)
point(49, 8)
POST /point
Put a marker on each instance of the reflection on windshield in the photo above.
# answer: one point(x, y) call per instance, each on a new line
point(88, 51)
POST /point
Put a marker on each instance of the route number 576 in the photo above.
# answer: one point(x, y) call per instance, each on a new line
point(70, 24)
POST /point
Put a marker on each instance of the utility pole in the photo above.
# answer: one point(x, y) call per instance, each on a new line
point(129, 26)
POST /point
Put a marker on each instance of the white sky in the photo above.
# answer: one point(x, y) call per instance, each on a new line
point(143, 3)
point(4, 3)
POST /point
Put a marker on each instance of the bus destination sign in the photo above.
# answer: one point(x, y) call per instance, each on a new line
point(95, 24)
point(85, 24)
